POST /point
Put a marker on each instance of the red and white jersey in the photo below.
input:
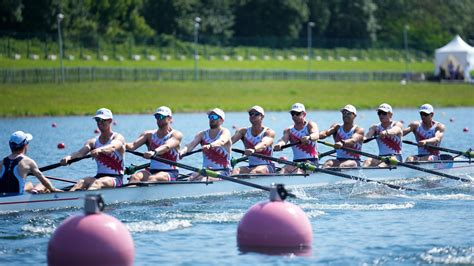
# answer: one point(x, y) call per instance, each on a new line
point(111, 163)
point(388, 145)
point(215, 157)
point(421, 134)
point(171, 155)
point(342, 135)
point(249, 143)
point(302, 151)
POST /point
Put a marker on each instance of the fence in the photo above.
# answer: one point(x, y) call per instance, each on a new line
point(82, 74)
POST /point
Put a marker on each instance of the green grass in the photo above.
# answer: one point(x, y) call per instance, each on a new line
point(144, 97)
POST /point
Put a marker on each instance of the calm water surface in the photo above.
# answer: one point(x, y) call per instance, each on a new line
point(352, 224)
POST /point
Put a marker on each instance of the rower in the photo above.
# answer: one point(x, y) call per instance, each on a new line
point(163, 142)
point(426, 131)
point(107, 150)
point(304, 135)
point(15, 168)
point(348, 135)
point(388, 134)
point(216, 146)
point(257, 139)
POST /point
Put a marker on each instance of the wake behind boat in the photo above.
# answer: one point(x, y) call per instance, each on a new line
point(154, 191)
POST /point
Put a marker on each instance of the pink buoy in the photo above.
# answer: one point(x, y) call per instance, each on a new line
point(283, 158)
point(54, 125)
point(465, 129)
point(61, 146)
point(93, 238)
point(96, 131)
point(274, 224)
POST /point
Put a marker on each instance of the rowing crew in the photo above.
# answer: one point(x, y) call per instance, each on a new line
point(109, 147)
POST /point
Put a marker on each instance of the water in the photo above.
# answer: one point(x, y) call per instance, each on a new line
point(352, 224)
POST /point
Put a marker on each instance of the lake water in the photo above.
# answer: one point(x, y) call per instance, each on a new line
point(352, 224)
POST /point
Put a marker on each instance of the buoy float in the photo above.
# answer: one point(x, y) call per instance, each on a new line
point(234, 126)
point(114, 123)
point(274, 224)
point(465, 129)
point(54, 125)
point(92, 238)
point(61, 146)
point(401, 121)
point(96, 131)
point(451, 119)
point(283, 158)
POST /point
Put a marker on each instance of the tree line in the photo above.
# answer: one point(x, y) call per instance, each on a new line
point(429, 23)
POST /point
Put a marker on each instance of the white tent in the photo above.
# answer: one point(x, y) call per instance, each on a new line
point(457, 53)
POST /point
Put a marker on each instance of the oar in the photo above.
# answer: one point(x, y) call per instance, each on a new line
point(191, 152)
point(61, 179)
point(307, 166)
point(468, 154)
point(370, 139)
point(205, 172)
point(324, 154)
point(290, 145)
point(130, 170)
point(56, 165)
point(392, 161)
point(234, 162)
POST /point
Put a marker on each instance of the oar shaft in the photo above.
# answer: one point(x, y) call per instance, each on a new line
point(191, 152)
point(56, 165)
point(290, 145)
point(392, 161)
point(468, 154)
point(324, 154)
point(307, 166)
point(61, 179)
point(206, 172)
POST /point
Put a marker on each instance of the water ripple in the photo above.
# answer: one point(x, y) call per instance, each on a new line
point(449, 255)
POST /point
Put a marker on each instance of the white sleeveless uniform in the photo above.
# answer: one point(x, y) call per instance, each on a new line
point(302, 151)
point(217, 158)
point(110, 164)
point(391, 145)
point(171, 155)
point(249, 143)
point(421, 134)
point(342, 135)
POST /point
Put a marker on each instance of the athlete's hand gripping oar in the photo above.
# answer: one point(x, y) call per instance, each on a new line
point(308, 166)
point(56, 165)
point(205, 172)
point(394, 162)
point(468, 154)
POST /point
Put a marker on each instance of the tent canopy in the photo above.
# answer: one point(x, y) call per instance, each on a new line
point(456, 54)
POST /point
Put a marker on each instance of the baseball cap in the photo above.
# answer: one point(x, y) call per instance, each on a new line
point(297, 107)
point(103, 113)
point(385, 107)
point(163, 110)
point(20, 138)
point(350, 108)
point(218, 112)
point(427, 108)
point(258, 109)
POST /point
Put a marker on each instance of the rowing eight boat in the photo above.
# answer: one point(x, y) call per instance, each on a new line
point(179, 189)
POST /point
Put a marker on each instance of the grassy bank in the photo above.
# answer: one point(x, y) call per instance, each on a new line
point(232, 63)
point(144, 97)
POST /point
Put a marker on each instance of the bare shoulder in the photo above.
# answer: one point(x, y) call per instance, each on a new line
point(312, 124)
point(177, 134)
point(359, 130)
point(270, 132)
point(440, 126)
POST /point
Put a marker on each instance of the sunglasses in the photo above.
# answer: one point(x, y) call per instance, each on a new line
point(213, 117)
point(160, 116)
point(424, 114)
point(99, 120)
point(295, 113)
point(254, 113)
point(381, 113)
point(346, 113)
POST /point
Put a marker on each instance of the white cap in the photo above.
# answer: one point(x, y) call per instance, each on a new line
point(19, 138)
point(297, 107)
point(351, 108)
point(218, 112)
point(258, 109)
point(427, 108)
point(103, 113)
point(385, 107)
point(163, 110)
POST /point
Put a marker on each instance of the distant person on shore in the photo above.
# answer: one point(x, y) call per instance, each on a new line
point(216, 146)
point(348, 135)
point(108, 151)
point(15, 168)
point(163, 142)
point(426, 131)
point(304, 132)
point(257, 139)
point(388, 134)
